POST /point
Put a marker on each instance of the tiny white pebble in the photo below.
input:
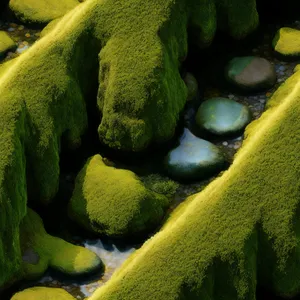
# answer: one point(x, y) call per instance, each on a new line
point(225, 143)
point(230, 96)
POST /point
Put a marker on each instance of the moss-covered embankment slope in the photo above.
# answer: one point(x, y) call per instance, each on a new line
point(45, 91)
point(242, 230)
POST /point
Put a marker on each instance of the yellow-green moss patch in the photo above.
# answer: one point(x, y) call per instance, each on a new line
point(41, 11)
point(6, 43)
point(114, 202)
point(41, 250)
point(42, 293)
point(287, 42)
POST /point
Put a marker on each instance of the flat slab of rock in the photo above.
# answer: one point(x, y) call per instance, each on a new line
point(194, 159)
point(6, 43)
point(43, 293)
point(222, 116)
point(41, 11)
point(287, 42)
point(250, 73)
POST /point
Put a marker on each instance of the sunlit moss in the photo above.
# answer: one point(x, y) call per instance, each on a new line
point(240, 230)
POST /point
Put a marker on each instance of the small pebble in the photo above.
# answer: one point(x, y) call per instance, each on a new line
point(14, 25)
point(225, 143)
point(28, 35)
point(21, 27)
point(231, 96)
point(10, 29)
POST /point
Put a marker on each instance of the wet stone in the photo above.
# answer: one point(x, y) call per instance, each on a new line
point(250, 73)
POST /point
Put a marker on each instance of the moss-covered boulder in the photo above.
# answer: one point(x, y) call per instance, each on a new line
point(194, 159)
point(41, 11)
point(42, 293)
point(6, 43)
point(114, 202)
point(241, 231)
point(287, 42)
point(41, 250)
point(192, 86)
point(222, 116)
point(250, 73)
point(140, 97)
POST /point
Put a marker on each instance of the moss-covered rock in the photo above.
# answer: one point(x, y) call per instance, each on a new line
point(240, 231)
point(192, 86)
point(44, 93)
point(6, 43)
point(41, 250)
point(194, 159)
point(114, 202)
point(287, 42)
point(222, 116)
point(42, 293)
point(41, 11)
point(250, 73)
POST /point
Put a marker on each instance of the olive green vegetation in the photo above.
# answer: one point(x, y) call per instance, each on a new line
point(45, 92)
point(41, 11)
point(287, 42)
point(41, 250)
point(161, 185)
point(43, 293)
point(241, 230)
point(114, 202)
point(6, 43)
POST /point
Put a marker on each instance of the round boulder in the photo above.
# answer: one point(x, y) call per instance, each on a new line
point(194, 159)
point(251, 73)
point(287, 42)
point(222, 116)
point(43, 293)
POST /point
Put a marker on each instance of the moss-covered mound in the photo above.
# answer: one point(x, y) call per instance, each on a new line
point(44, 93)
point(41, 250)
point(114, 202)
point(242, 230)
point(41, 11)
point(42, 293)
point(6, 43)
point(287, 42)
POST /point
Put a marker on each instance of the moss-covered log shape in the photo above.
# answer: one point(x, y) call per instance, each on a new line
point(41, 11)
point(242, 230)
point(41, 250)
point(114, 202)
point(45, 91)
point(43, 293)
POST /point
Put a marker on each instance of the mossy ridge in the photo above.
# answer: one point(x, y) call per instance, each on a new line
point(43, 92)
point(247, 215)
point(33, 119)
point(128, 210)
point(53, 252)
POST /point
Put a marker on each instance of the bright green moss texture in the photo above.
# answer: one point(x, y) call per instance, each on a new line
point(243, 229)
point(41, 11)
point(41, 293)
point(41, 250)
point(45, 91)
point(114, 202)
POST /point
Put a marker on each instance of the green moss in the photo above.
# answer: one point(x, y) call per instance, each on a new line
point(243, 225)
point(42, 293)
point(6, 43)
point(161, 185)
point(114, 202)
point(45, 92)
point(41, 11)
point(287, 42)
point(41, 250)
